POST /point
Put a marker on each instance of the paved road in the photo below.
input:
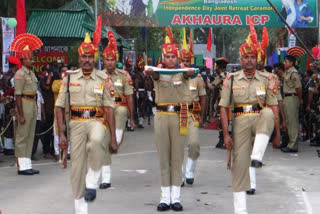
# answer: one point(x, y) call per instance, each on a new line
point(135, 183)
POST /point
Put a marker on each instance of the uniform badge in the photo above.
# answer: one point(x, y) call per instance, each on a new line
point(178, 82)
point(98, 90)
point(274, 90)
point(193, 87)
point(118, 82)
point(112, 93)
point(261, 91)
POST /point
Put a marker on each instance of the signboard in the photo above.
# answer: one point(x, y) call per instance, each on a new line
point(207, 13)
point(50, 54)
point(8, 35)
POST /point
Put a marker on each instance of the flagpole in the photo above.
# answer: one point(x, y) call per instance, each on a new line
point(95, 22)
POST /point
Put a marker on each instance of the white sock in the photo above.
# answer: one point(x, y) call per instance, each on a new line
point(80, 206)
point(240, 203)
point(190, 166)
point(175, 194)
point(106, 174)
point(165, 195)
point(119, 133)
point(259, 147)
point(253, 181)
point(92, 178)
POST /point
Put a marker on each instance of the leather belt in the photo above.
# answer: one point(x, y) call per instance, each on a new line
point(29, 97)
point(86, 112)
point(246, 109)
point(141, 89)
point(290, 95)
point(118, 99)
point(171, 108)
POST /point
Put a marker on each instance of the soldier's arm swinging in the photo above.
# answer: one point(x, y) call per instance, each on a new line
point(202, 106)
point(61, 126)
point(276, 140)
point(110, 120)
point(224, 123)
point(130, 108)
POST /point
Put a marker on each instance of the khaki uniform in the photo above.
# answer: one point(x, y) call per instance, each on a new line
point(25, 83)
point(197, 89)
point(123, 87)
point(261, 89)
point(291, 105)
point(169, 89)
point(87, 133)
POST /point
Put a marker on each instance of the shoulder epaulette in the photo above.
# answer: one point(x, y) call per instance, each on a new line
point(122, 71)
point(101, 74)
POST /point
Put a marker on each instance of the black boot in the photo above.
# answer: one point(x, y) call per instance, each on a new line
point(90, 194)
point(176, 206)
point(163, 207)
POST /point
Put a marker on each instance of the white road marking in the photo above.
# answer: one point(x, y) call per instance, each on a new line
point(307, 202)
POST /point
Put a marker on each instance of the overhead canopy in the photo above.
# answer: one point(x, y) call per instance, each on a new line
point(70, 22)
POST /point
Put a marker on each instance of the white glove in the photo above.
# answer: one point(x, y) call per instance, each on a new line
point(149, 96)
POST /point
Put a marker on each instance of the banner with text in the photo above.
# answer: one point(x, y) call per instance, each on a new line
point(207, 13)
point(8, 35)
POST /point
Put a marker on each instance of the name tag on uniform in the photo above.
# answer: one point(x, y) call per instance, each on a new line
point(261, 91)
point(98, 90)
point(118, 82)
point(192, 87)
point(177, 82)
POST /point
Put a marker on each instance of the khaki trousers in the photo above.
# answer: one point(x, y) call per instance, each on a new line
point(291, 111)
point(87, 147)
point(107, 155)
point(193, 140)
point(170, 147)
point(121, 114)
point(25, 133)
point(244, 131)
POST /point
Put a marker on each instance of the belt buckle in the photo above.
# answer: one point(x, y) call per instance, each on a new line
point(170, 108)
point(248, 109)
point(86, 114)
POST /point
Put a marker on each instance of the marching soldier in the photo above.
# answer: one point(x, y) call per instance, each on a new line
point(123, 101)
point(25, 83)
point(291, 102)
point(170, 124)
point(260, 67)
point(197, 100)
point(129, 69)
point(216, 87)
point(91, 107)
point(139, 86)
point(253, 95)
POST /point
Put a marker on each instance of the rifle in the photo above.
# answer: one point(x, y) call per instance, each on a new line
point(232, 124)
point(64, 152)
